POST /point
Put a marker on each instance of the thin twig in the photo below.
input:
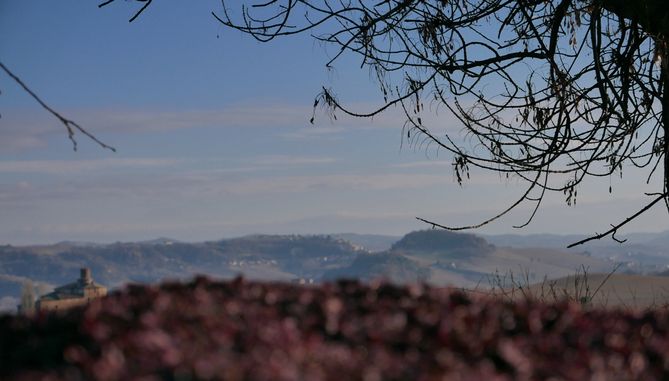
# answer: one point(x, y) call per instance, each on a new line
point(615, 228)
point(606, 279)
point(146, 5)
point(70, 125)
point(140, 11)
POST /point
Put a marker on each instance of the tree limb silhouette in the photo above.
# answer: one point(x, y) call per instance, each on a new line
point(614, 228)
point(71, 126)
point(551, 92)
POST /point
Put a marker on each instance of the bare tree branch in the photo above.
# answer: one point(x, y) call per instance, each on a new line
point(551, 92)
point(70, 125)
point(137, 14)
point(614, 228)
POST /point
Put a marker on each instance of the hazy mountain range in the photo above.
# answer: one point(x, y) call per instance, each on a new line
point(434, 256)
point(643, 252)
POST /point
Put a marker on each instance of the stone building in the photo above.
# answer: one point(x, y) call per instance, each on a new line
point(73, 294)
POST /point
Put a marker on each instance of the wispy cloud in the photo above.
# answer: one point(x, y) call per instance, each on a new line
point(60, 167)
point(17, 142)
point(248, 115)
point(201, 185)
point(23, 129)
point(233, 116)
point(333, 182)
point(241, 165)
point(314, 132)
point(290, 160)
point(425, 164)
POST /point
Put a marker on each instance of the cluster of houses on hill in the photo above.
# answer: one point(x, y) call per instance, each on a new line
point(70, 295)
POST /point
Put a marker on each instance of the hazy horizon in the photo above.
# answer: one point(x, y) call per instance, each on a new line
point(398, 235)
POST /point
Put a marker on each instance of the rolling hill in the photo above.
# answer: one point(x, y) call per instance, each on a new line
point(437, 257)
point(256, 257)
point(464, 260)
point(646, 253)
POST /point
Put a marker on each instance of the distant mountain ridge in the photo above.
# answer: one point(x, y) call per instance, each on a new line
point(645, 253)
point(446, 258)
point(258, 257)
point(435, 256)
point(562, 241)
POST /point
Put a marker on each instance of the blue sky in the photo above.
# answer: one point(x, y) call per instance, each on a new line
point(213, 137)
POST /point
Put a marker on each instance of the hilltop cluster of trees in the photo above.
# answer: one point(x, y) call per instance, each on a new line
point(465, 245)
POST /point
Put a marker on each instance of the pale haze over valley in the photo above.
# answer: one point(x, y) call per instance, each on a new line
point(214, 140)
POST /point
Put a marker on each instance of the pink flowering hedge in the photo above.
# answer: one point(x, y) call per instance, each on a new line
point(241, 330)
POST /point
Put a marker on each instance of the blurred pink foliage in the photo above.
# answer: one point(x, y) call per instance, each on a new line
point(240, 330)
